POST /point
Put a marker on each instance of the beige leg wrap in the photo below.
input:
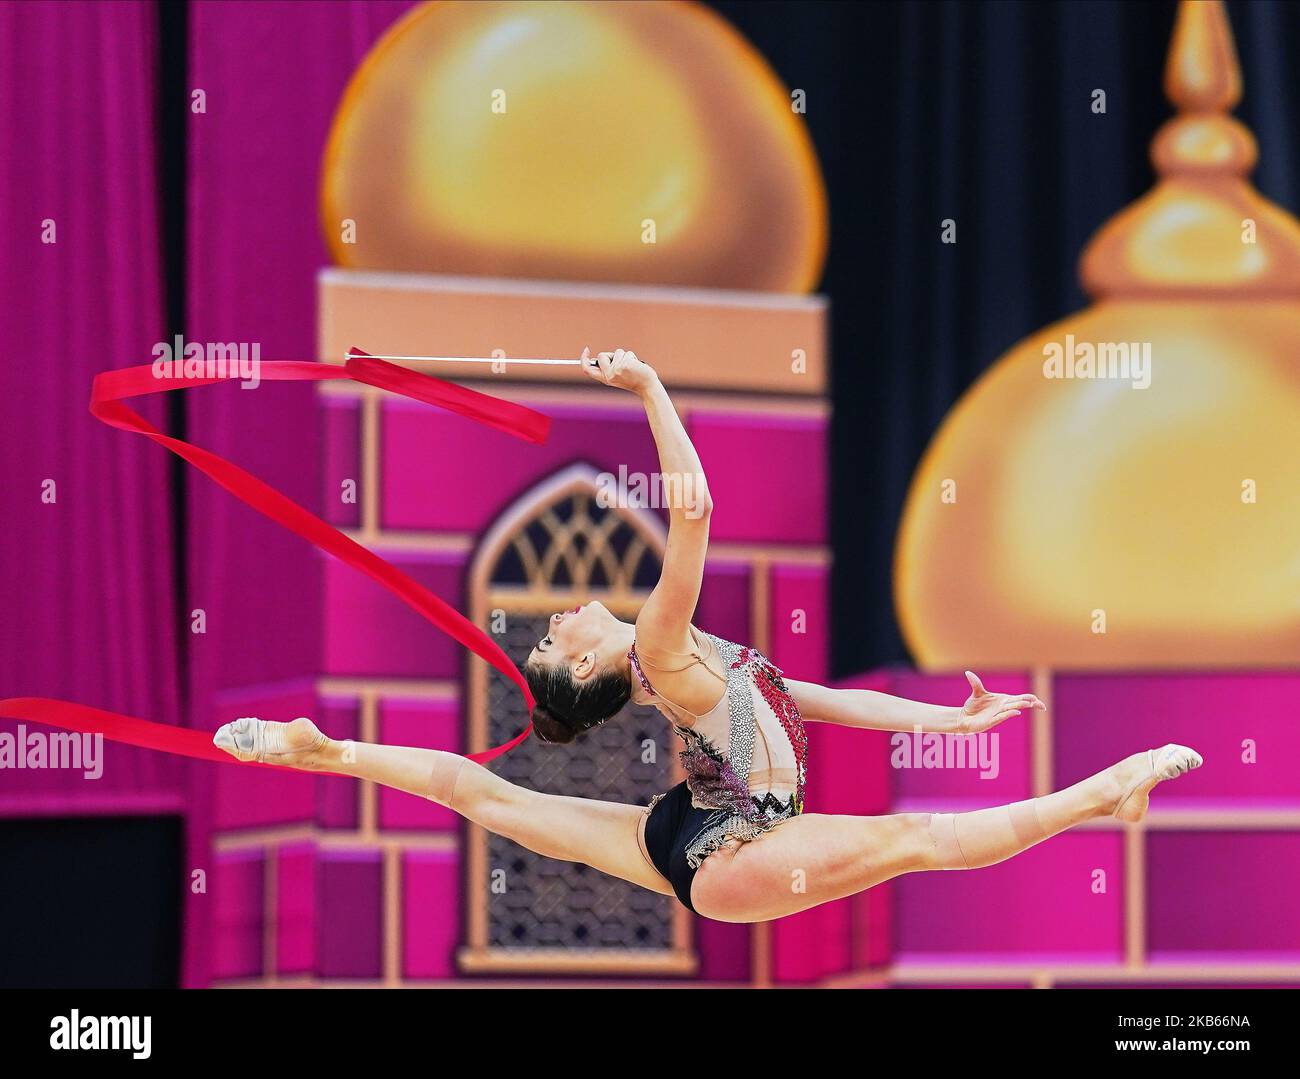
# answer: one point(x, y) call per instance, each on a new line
point(974, 840)
point(442, 783)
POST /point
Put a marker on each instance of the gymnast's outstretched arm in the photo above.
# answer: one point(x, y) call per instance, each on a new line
point(875, 711)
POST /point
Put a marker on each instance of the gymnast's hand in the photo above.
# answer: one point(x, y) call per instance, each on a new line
point(620, 368)
point(984, 710)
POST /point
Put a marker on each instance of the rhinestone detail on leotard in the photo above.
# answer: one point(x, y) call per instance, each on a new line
point(719, 780)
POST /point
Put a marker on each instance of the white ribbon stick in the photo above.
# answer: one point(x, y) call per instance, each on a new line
point(471, 359)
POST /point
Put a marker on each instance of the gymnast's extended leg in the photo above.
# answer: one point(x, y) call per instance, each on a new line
point(603, 835)
point(807, 860)
point(814, 858)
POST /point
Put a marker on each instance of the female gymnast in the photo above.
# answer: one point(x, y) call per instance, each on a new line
point(732, 841)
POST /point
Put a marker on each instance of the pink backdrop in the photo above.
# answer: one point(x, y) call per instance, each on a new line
point(86, 580)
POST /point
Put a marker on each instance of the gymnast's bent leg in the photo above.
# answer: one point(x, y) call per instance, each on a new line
point(603, 835)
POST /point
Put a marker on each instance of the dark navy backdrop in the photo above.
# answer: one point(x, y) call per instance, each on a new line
point(978, 112)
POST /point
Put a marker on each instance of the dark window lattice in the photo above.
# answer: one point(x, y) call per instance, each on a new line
point(553, 904)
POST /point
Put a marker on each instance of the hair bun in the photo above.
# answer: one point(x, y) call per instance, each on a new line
point(550, 727)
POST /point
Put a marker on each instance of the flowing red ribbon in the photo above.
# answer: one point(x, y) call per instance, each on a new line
point(107, 394)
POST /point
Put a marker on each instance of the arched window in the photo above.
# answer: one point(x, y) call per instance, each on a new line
point(553, 549)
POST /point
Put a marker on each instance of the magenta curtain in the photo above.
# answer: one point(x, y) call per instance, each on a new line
point(86, 582)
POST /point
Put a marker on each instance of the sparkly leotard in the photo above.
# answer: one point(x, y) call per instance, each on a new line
point(745, 760)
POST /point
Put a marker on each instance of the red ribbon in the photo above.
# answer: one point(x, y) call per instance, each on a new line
point(107, 394)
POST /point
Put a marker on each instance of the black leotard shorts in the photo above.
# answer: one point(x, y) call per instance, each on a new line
point(672, 825)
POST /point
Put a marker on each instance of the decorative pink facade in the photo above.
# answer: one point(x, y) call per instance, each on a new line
point(300, 857)
point(331, 881)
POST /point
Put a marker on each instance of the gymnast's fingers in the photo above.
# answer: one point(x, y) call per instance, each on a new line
point(596, 366)
point(618, 365)
point(626, 364)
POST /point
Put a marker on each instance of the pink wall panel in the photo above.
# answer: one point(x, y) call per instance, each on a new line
point(1180, 986)
point(460, 475)
point(296, 912)
point(814, 943)
point(724, 601)
point(749, 456)
point(873, 920)
point(246, 797)
point(964, 985)
point(847, 773)
point(1102, 718)
point(996, 766)
point(237, 892)
point(350, 906)
point(337, 803)
point(249, 798)
point(429, 725)
point(799, 621)
point(430, 913)
point(723, 950)
point(848, 770)
point(1223, 892)
point(859, 780)
point(340, 459)
point(369, 631)
point(1040, 904)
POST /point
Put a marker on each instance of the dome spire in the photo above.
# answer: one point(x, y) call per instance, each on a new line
point(1203, 230)
point(1203, 81)
point(1202, 73)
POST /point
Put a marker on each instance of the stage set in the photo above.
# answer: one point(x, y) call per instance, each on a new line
point(1125, 552)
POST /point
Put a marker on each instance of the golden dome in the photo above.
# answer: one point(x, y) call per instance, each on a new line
point(1094, 515)
point(639, 142)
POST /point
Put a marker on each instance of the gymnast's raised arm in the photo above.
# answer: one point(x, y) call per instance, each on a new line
point(664, 624)
point(874, 711)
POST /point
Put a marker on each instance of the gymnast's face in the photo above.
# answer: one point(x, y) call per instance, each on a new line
point(578, 638)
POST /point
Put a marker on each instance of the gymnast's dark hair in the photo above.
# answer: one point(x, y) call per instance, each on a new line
point(567, 707)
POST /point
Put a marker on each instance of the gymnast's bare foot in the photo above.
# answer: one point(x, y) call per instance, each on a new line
point(299, 744)
point(1136, 775)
